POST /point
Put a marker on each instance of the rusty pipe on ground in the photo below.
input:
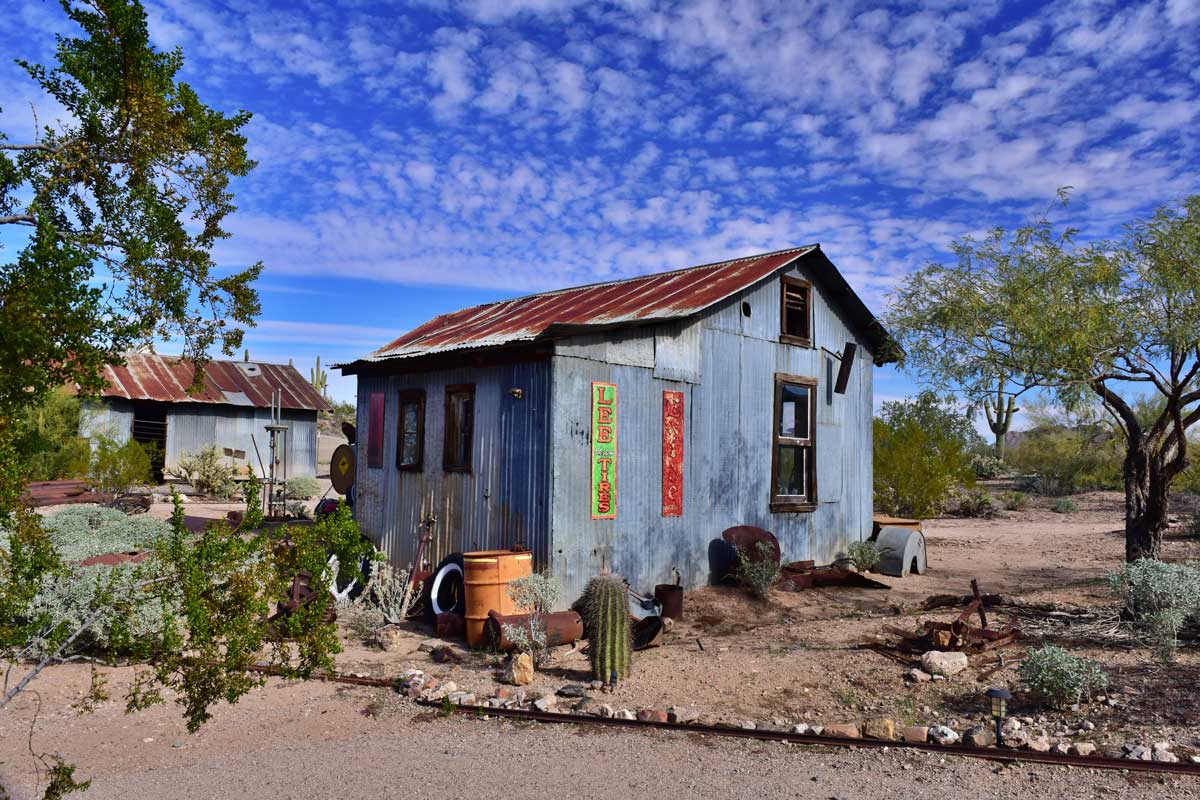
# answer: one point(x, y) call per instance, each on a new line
point(562, 627)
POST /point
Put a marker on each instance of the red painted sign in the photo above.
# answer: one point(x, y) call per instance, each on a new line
point(672, 458)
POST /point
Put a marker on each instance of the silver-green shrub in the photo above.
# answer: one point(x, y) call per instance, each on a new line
point(757, 574)
point(535, 595)
point(384, 591)
point(303, 488)
point(1064, 505)
point(84, 531)
point(1058, 679)
point(1161, 597)
point(864, 556)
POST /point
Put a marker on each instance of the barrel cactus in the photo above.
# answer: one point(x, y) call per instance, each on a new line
point(610, 640)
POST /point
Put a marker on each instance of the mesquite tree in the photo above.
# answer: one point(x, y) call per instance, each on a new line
point(1107, 322)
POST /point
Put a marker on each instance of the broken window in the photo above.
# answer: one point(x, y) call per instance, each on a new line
point(410, 442)
point(793, 473)
point(796, 312)
point(460, 426)
point(375, 407)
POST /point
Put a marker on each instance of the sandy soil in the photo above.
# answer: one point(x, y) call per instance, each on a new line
point(797, 658)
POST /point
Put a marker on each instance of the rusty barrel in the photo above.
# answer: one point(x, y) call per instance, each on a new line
point(486, 574)
point(671, 597)
point(562, 627)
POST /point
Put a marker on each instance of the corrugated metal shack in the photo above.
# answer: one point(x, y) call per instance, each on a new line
point(627, 424)
point(147, 399)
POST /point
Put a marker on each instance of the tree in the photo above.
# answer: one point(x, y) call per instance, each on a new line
point(1107, 321)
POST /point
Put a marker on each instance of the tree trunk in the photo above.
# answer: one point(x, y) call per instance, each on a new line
point(1146, 504)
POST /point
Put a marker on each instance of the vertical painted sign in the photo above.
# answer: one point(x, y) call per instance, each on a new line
point(672, 455)
point(375, 430)
point(604, 451)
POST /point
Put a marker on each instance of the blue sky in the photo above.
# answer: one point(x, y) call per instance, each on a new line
point(419, 157)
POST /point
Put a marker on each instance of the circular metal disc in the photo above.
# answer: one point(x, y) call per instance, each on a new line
point(342, 468)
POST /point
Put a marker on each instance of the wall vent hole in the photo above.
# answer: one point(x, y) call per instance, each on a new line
point(746, 309)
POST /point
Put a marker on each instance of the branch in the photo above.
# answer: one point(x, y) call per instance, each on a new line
point(1127, 416)
point(22, 219)
point(39, 147)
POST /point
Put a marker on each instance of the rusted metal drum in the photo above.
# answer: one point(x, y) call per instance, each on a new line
point(486, 574)
point(562, 627)
point(671, 597)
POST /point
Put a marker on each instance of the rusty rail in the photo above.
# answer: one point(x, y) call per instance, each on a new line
point(987, 754)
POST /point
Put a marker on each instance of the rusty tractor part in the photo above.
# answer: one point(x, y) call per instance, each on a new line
point(747, 538)
point(648, 633)
point(63, 492)
point(958, 635)
point(562, 627)
point(670, 596)
point(800, 575)
point(301, 592)
point(450, 625)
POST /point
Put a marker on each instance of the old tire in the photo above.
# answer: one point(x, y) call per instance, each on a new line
point(445, 591)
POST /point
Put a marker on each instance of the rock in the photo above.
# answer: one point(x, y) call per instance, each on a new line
point(816, 730)
point(1137, 753)
point(919, 676)
point(1017, 739)
point(935, 662)
point(1164, 757)
point(1194, 759)
point(546, 703)
point(1039, 744)
point(428, 645)
point(652, 715)
point(1061, 749)
point(583, 706)
point(506, 693)
point(980, 735)
point(624, 713)
point(596, 686)
point(1083, 749)
point(915, 734)
point(520, 670)
point(392, 639)
point(943, 734)
point(801, 729)
point(1010, 725)
point(747, 725)
point(461, 698)
point(879, 728)
point(844, 731)
point(682, 715)
point(572, 690)
point(445, 654)
point(1088, 725)
point(495, 702)
point(605, 711)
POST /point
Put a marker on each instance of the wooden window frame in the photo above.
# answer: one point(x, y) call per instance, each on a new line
point(454, 389)
point(376, 422)
point(408, 396)
point(787, 282)
point(788, 503)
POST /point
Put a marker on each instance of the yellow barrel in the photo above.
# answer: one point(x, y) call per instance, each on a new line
point(486, 574)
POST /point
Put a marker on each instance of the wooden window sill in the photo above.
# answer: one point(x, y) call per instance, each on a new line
point(782, 507)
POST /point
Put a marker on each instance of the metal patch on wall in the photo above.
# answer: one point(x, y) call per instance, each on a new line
point(672, 455)
point(604, 451)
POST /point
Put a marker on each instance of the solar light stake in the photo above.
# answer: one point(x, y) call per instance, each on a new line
point(999, 699)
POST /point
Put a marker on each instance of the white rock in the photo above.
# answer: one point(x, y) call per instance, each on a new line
point(942, 734)
point(801, 729)
point(935, 662)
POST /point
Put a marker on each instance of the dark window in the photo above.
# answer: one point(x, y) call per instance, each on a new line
point(460, 425)
point(796, 312)
point(793, 472)
point(410, 442)
point(375, 406)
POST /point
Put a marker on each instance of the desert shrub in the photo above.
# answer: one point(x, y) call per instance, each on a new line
point(757, 574)
point(303, 488)
point(117, 467)
point(384, 590)
point(971, 503)
point(362, 621)
point(535, 595)
point(921, 452)
point(1065, 461)
point(1064, 505)
point(1013, 501)
point(987, 466)
point(207, 472)
point(1161, 598)
point(1058, 679)
point(863, 555)
point(83, 531)
point(56, 448)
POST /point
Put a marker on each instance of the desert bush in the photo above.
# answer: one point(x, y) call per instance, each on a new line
point(1058, 679)
point(987, 466)
point(921, 452)
point(303, 488)
point(57, 449)
point(1161, 598)
point(384, 590)
point(1064, 505)
point(757, 574)
point(1066, 461)
point(207, 472)
point(83, 531)
point(863, 555)
point(117, 467)
point(362, 621)
point(1013, 501)
point(535, 595)
point(971, 503)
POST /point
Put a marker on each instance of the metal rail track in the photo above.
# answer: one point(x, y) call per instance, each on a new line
point(961, 751)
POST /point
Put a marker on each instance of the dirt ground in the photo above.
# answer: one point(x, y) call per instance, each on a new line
point(797, 658)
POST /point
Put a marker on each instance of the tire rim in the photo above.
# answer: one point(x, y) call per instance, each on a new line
point(437, 586)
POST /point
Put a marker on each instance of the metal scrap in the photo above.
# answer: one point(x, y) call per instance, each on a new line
point(960, 635)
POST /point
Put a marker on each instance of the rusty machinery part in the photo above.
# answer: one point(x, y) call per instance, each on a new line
point(301, 592)
point(957, 635)
point(747, 538)
point(670, 597)
point(562, 627)
point(342, 468)
point(800, 575)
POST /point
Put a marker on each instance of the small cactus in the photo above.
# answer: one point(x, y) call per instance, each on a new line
point(246, 354)
point(319, 378)
point(1000, 416)
point(610, 635)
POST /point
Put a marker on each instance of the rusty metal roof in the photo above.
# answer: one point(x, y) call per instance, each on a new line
point(147, 376)
point(649, 298)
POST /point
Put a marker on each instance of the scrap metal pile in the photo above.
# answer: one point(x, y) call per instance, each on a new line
point(960, 635)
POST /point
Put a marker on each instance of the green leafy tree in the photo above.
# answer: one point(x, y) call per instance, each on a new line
point(922, 453)
point(1105, 321)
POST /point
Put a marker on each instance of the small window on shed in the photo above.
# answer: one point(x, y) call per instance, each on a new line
point(796, 312)
point(460, 427)
point(793, 465)
point(375, 407)
point(410, 441)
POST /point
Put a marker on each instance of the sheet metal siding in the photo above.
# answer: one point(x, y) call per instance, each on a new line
point(728, 445)
point(504, 500)
point(191, 428)
point(111, 418)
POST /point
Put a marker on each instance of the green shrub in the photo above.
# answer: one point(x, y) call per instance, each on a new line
point(863, 555)
point(1161, 598)
point(1064, 505)
point(303, 488)
point(118, 467)
point(987, 466)
point(921, 453)
point(971, 503)
point(57, 449)
point(757, 575)
point(535, 595)
point(1013, 501)
point(207, 472)
point(84, 531)
point(1058, 679)
point(1065, 461)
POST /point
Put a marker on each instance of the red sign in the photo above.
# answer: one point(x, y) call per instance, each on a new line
point(672, 459)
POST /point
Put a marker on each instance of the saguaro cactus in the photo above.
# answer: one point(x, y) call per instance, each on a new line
point(999, 416)
point(318, 377)
point(610, 637)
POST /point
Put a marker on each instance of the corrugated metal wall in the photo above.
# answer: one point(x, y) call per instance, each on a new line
point(502, 502)
point(727, 378)
point(193, 426)
point(111, 418)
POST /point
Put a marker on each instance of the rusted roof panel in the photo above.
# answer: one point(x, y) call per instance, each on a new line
point(146, 376)
point(651, 298)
